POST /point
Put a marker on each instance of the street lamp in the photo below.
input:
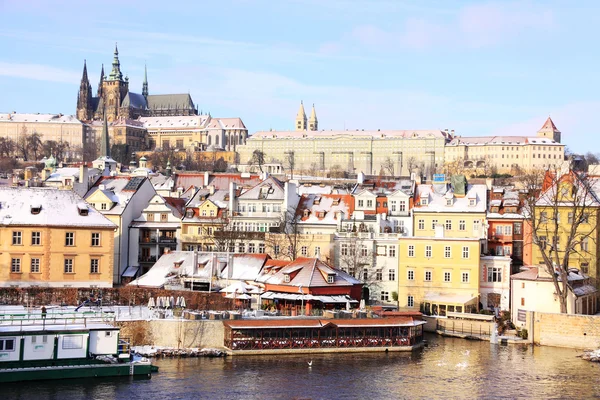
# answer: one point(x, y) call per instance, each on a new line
point(302, 299)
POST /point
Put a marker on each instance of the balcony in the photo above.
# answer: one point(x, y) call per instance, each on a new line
point(147, 259)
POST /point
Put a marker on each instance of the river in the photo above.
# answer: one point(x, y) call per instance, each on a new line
point(448, 368)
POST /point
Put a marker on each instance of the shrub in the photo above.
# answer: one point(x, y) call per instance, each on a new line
point(523, 333)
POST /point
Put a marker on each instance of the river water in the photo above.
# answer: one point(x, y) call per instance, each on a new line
point(448, 368)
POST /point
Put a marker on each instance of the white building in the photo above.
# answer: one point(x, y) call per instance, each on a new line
point(494, 285)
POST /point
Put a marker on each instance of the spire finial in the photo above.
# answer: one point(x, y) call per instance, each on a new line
point(145, 84)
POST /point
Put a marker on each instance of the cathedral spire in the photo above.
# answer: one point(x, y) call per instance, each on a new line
point(145, 85)
point(313, 123)
point(84, 78)
point(99, 92)
point(104, 144)
point(301, 118)
point(84, 97)
point(115, 74)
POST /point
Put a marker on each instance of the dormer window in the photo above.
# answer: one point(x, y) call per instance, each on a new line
point(305, 213)
point(189, 213)
point(286, 278)
point(330, 278)
point(317, 201)
point(424, 201)
point(36, 209)
point(321, 214)
point(449, 202)
point(472, 202)
point(336, 201)
point(81, 208)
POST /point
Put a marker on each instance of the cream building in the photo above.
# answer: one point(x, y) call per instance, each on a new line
point(57, 127)
point(506, 153)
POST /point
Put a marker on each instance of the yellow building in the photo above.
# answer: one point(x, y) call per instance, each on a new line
point(505, 154)
point(554, 216)
point(453, 211)
point(52, 238)
point(438, 275)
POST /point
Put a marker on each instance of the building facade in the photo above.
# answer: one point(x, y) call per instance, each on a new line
point(52, 238)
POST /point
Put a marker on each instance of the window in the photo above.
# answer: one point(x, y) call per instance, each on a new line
point(68, 265)
point(410, 275)
point(433, 223)
point(378, 275)
point(427, 276)
point(428, 251)
point(364, 251)
point(35, 265)
point(411, 250)
point(508, 230)
point(570, 218)
point(447, 277)
point(369, 203)
point(543, 217)
point(411, 301)
point(344, 249)
point(585, 268)
point(361, 203)
point(465, 277)
point(392, 251)
point(72, 342)
point(385, 296)
point(304, 251)
point(391, 274)
point(462, 225)
point(17, 238)
point(94, 266)
point(393, 205)
point(518, 228)
point(150, 217)
point(212, 213)
point(276, 249)
point(261, 248)
point(204, 213)
point(522, 301)
point(251, 248)
point(447, 252)
point(402, 205)
point(36, 238)
point(286, 278)
point(499, 230)
point(584, 244)
point(421, 224)
point(95, 239)
point(7, 344)
point(476, 226)
point(585, 218)
point(103, 206)
point(164, 217)
point(365, 274)
point(330, 278)
point(465, 252)
point(15, 265)
point(494, 274)
point(448, 225)
point(70, 239)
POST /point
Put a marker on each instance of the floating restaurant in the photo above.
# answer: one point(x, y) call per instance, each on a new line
point(289, 336)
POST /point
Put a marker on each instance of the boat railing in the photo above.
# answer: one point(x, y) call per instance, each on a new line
point(56, 318)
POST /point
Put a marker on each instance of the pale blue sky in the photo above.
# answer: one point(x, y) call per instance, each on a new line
point(479, 68)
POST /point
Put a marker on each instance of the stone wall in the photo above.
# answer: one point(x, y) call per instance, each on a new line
point(127, 295)
point(560, 330)
point(174, 333)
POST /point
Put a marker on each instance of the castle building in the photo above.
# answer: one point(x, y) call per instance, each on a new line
point(114, 98)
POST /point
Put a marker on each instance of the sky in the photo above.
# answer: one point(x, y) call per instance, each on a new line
point(480, 68)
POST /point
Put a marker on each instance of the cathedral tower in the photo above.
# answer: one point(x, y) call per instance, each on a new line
point(301, 119)
point(313, 123)
point(145, 84)
point(99, 92)
point(114, 89)
point(549, 130)
point(84, 98)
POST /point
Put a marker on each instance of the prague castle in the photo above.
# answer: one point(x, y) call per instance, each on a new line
point(114, 98)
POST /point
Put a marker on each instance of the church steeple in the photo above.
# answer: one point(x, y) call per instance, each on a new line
point(301, 118)
point(104, 144)
point(313, 123)
point(549, 130)
point(84, 97)
point(99, 92)
point(145, 84)
point(115, 74)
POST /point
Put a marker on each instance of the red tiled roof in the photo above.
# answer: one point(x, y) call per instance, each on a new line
point(316, 323)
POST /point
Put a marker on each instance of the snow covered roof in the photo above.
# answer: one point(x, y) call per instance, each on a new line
point(322, 209)
point(269, 189)
point(44, 118)
point(119, 189)
point(58, 208)
point(374, 134)
point(246, 267)
point(437, 201)
point(308, 272)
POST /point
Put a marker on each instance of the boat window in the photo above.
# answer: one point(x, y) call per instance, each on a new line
point(7, 344)
point(72, 342)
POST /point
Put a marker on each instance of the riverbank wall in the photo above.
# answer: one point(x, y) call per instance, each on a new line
point(561, 330)
point(174, 333)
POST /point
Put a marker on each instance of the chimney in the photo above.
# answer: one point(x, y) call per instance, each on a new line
point(206, 177)
point(230, 263)
point(211, 190)
point(195, 263)
point(232, 190)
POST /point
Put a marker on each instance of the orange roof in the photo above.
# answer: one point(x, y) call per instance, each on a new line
point(318, 323)
point(549, 125)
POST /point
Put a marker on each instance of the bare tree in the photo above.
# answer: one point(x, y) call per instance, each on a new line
point(59, 149)
point(34, 145)
point(288, 239)
point(388, 166)
point(335, 171)
point(562, 211)
point(7, 147)
point(411, 164)
point(290, 162)
point(258, 158)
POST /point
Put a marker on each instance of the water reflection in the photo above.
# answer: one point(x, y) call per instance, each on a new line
point(451, 368)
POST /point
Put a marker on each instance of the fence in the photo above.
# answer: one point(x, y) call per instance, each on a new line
point(464, 327)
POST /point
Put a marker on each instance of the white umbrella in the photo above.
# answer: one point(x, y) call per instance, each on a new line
point(172, 302)
point(178, 301)
point(362, 304)
point(235, 287)
point(151, 303)
point(241, 296)
point(347, 305)
point(182, 304)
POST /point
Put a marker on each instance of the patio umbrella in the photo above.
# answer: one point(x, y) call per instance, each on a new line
point(182, 303)
point(178, 301)
point(151, 303)
point(172, 302)
point(347, 305)
point(362, 304)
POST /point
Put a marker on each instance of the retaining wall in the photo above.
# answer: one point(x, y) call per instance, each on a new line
point(561, 330)
point(175, 333)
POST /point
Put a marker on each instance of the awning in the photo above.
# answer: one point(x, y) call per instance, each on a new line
point(341, 299)
point(130, 272)
point(450, 298)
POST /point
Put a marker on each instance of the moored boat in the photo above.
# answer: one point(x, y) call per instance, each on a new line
point(65, 345)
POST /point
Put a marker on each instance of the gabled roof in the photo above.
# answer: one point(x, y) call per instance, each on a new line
point(56, 208)
point(549, 126)
point(437, 201)
point(310, 272)
point(330, 204)
point(269, 189)
point(119, 189)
